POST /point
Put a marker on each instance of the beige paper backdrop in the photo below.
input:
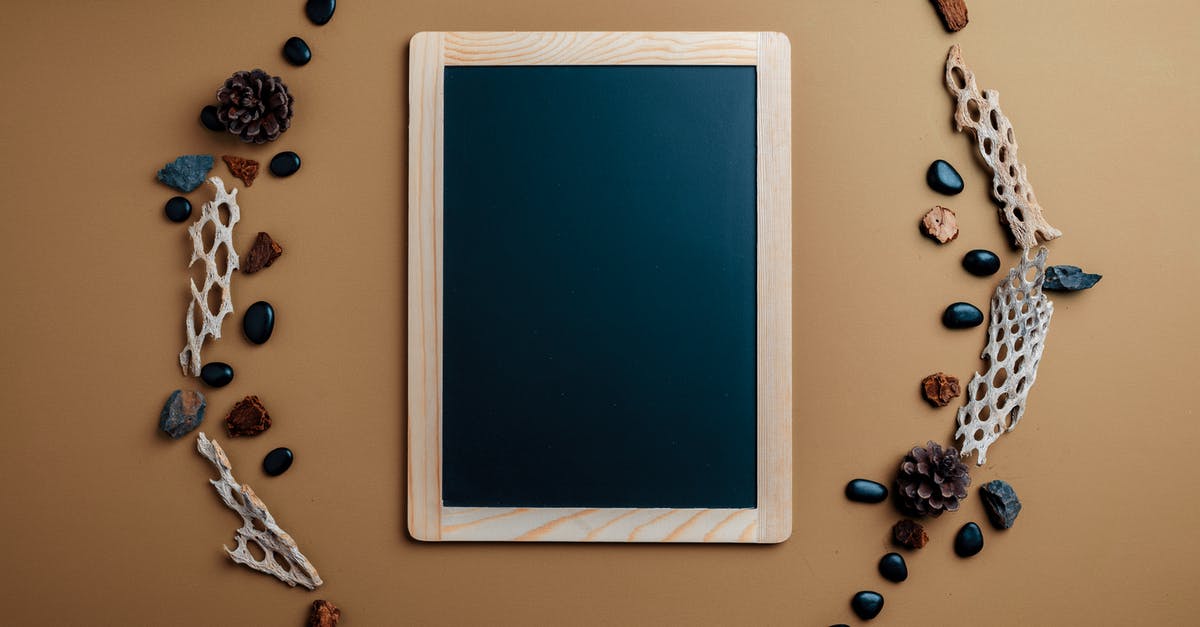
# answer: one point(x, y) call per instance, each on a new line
point(106, 523)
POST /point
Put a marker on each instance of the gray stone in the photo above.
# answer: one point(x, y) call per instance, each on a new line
point(1001, 503)
point(183, 412)
point(1068, 279)
point(186, 173)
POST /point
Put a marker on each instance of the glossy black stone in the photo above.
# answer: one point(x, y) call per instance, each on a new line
point(867, 604)
point(217, 374)
point(943, 178)
point(981, 262)
point(278, 461)
point(208, 117)
point(177, 209)
point(285, 163)
point(962, 316)
point(865, 491)
point(319, 12)
point(893, 568)
point(259, 322)
point(296, 51)
point(969, 540)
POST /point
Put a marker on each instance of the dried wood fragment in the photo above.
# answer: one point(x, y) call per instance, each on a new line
point(262, 253)
point(281, 557)
point(981, 115)
point(244, 169)
point(210, 325)
point(941, 224)
point(953, 12)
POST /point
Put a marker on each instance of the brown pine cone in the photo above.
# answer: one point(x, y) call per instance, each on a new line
point(255, 106)
point(932, 480)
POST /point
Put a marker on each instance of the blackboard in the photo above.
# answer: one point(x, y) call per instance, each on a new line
point(595, 273)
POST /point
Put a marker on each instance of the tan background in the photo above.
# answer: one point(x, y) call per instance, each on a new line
point(105, 522)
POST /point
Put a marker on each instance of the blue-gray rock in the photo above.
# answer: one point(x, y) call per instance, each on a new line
point(943, 178)
point(186, 173)
point(296, 51)
point(867, 604)
point(969, 540)
point(217, 374)
point(285, 163)
point(981, 262)
point(893, 568)
point(259, 322)
point(1001, 503)
point(1068, 279)
point(177, 209)
point(962, 316)
point(183, 412)
point(319, 12)
point(865, 491)
point(278, 461)
point(208, 117)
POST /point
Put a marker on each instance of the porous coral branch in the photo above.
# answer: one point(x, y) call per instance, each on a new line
point(189, 357)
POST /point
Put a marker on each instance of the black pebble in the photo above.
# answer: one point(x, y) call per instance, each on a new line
point(962, 316)
point(981, 262)
point(865, 491)
point(208, 117)
point(296, 51)
point(218, 374)
point(285, 163)
point(969, 540)
point(178, 209)
point(942, 177)
point(893, 568)
point(259, 322)
point(277, 461)
point(867, 604)
point(320, 11)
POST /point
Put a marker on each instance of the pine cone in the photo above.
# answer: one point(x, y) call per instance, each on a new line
point(932, 480)
point(255, 106)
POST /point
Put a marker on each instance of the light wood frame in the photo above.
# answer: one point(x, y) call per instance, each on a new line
point(428, 518)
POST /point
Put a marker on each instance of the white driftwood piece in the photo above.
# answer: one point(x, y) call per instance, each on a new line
point(282, 558)
point(981, 115)
point(189, 358)
point(1020, 317)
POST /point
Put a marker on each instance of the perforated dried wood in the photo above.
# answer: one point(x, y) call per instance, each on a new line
point(189, 358)
point(281, 557)
point(1020, 317)
point(980, 114)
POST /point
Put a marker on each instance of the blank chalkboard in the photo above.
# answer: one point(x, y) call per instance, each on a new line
point(598, 325)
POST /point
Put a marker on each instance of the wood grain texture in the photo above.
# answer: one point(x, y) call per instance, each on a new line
point(770, 521)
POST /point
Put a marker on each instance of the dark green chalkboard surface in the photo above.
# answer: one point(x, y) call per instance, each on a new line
point(599, 287)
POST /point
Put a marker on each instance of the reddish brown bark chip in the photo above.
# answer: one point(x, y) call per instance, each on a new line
point(248, 417)
point(262, 253)
point(324, 614)
point(909, 534)
point(941, 224)
point(245, 169)
point(953, 12)
point(940, 388)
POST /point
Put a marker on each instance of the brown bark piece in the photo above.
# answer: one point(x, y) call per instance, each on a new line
point(245, 169)
point(941, 224)
point(909, 534)
point(324, 614)
point(248, 417)
point(262, 253)
point(953, 12)
point(940, 388)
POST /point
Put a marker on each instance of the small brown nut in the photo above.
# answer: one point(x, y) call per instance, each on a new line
point(248, 417)
point(324, 614)
point(909, 534)
point(940, 388)
point(941, 224)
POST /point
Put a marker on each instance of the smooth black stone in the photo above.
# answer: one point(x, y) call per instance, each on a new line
point(319, 12)
point(177, 209)
point(296, 51)
point(867, 604)
point(217, 374)
point(969, 540)
point(865, 491)
point(1068, 279)
point(942, 177)
point(981, 262)
point(285, 163)
point(1001, 503)
point(962, 316)
point(208, 117)
point(893, 568)
point(259, 322)
point(278, 461)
